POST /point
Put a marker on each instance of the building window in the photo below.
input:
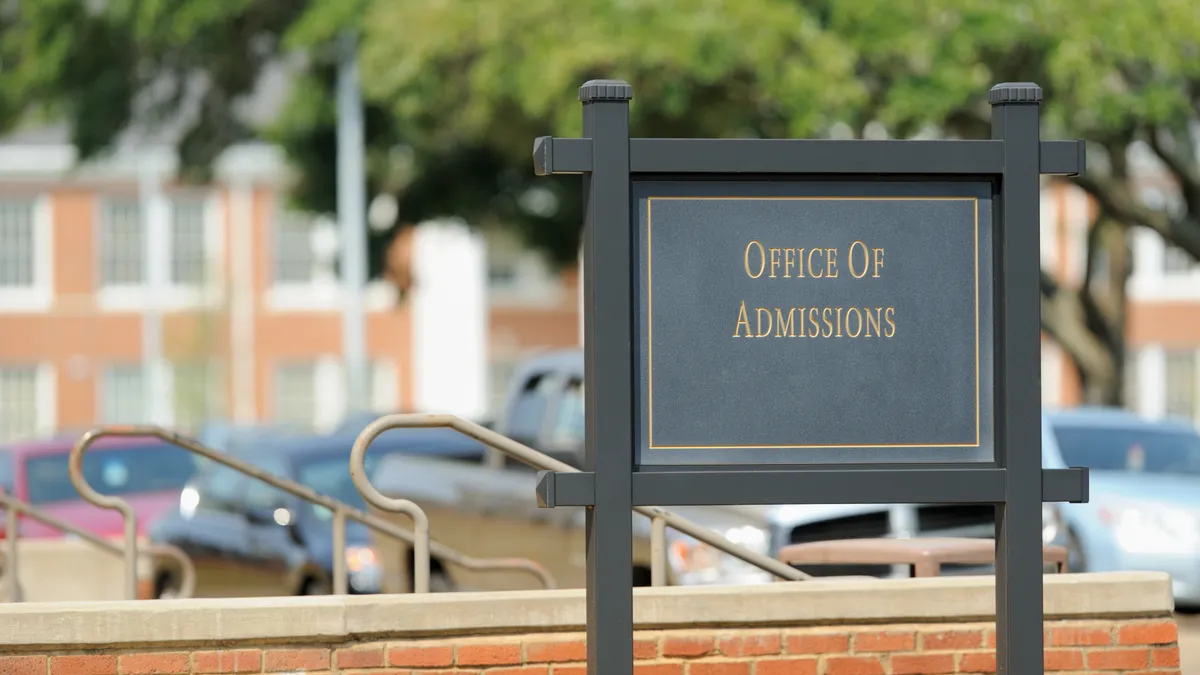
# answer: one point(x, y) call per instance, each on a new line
point(187, 241)
point(18, 252)
point(120, 242)
point(122, 395)
point(18, 402)
point(194, 385)
point(1181, 384)
point(295, 260)
point(295, 395)
point(121, 232)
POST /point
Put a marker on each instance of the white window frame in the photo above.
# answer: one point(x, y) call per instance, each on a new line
point(45, 403)
point(174, 296)
point(323, 292)
point(1150, 281)
point(39, 296)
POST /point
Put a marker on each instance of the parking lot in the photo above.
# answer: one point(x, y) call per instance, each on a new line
point(1189, 643)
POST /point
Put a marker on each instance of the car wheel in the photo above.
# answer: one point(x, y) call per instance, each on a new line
point(166, 587)
point(1076, 558)
point(315, 587)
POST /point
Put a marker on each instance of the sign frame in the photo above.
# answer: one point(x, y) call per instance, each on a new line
point(613, 481)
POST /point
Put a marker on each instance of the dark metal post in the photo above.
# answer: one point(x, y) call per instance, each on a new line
point(1019, 642)
point(608, 376)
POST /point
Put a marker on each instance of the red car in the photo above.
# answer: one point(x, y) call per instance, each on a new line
point(147, 473)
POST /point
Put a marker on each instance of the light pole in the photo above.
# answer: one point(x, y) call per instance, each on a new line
point(351, 206)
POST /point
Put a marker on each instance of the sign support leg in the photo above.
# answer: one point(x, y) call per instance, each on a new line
point(1019, 632)
point(608, 377)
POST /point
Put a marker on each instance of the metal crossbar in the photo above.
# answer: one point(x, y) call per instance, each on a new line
point(660, 518)
point(14, 507)
point(341, 513)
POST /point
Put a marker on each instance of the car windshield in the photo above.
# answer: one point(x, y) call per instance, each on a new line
point(1132, 450)
point(6, 472)
point(329, 475)
point(111, 471)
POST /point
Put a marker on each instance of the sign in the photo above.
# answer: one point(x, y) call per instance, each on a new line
point(814, 322)
point(811, 322)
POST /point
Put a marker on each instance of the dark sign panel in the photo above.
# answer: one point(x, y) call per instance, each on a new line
point(814, 322)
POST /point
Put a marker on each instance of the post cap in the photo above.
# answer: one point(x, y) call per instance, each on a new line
point(605, 90)
point(1015, 92)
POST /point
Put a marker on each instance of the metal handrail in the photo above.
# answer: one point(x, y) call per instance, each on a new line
point(13, 506)
point(660, 519)
point(341, 511)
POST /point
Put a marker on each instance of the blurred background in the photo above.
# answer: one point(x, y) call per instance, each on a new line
point(275, 219)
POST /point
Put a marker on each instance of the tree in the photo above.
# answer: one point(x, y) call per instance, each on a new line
point(457, 90)
point(1115, 73)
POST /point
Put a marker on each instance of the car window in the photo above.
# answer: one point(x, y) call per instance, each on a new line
point(568, 426)
point(1132, 450)
point(261, 495)
point(7, 470)
point(329, 475)
point(528, 412)
point(111, 471)
point(221, 488)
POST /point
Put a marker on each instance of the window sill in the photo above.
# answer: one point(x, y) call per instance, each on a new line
point(378, 296)
point(172, 299)
point(26, 301)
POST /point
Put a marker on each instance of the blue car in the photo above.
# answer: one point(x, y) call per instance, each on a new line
point(1144, 512)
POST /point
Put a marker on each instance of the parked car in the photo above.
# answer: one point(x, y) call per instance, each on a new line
point(247, 538)
point(147, 473)
point(488, 510)
point(1144, 511)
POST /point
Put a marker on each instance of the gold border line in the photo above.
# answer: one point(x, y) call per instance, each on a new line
point(650, 328)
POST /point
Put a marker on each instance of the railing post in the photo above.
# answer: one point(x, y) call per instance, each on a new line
point(10, 555)
point(658, 551)
point(341, 581)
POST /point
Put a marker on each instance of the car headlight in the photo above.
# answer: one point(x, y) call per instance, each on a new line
point(362, 563)
point(189, 499)
point(1152, 527)
point(695, 562)
point(1052, 523)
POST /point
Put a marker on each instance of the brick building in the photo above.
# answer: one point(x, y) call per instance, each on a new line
point(250, 320)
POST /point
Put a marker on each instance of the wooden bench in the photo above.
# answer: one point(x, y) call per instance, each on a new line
point(926, 556)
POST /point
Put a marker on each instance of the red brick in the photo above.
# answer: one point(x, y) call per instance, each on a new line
point(951, 640)
point(818, 643)
point(853, 665)
point(1156, 633)
point(719, 668)
point(803, 666)
point(1163, 657)
point(885, 641)
point(573, 669)
point(92, 664)
point(989, 639)
point(1118, 659)
point(296, 659)
point(658, 669)
point(22, 665)
point(1078, 636)
point(499, 654)
point(359, 657)
point(679, 645)
point(542, 669)
point(1063, 659)
point(979, 662)
point(417, 656)
point(163, 663)
point(922, 664)
point(645, 649)
point(546, 651)
point(752, 644)
point(227, 661)
point(1172, 671)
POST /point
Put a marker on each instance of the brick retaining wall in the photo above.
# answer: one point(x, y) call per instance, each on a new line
point(1097, 624)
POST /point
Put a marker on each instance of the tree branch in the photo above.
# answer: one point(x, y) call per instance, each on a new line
point(1065, 320)
point(1186, 175)
point(1115, 197)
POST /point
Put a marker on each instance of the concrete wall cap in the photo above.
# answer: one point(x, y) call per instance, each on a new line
point(336, 619)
